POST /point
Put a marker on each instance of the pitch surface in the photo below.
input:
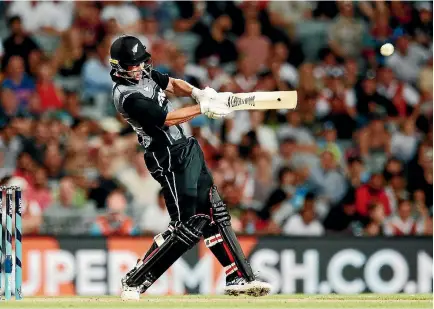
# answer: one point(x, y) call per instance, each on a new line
point(400, 301)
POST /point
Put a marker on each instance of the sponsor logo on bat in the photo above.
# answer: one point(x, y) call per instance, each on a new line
point(20, 294)
point(234, 101)
point(20, 206)
point(9, 209)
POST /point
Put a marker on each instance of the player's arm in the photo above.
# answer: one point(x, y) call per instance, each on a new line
point(179, 87)
point(182, 115)
point(150, 113)
point(210, 102)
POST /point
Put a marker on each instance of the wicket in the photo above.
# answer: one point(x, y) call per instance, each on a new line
point(7, 255)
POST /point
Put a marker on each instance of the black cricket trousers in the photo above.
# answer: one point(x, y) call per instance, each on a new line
point(184, 177)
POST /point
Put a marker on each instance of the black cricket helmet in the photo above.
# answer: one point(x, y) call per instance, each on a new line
point(127, 51)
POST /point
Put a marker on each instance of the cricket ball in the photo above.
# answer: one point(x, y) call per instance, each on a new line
point(387, 49)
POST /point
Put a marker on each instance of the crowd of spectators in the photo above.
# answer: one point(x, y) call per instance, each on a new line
point(355, 157)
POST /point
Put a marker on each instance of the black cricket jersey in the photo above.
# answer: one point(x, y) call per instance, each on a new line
point(175, 161)
point(145, 107)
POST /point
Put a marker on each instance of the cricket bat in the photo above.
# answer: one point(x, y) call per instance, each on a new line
point(263, 100)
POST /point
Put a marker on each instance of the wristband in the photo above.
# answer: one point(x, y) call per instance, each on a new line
point(195, 93)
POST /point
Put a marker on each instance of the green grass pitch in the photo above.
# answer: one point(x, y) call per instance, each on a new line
point(401, 301)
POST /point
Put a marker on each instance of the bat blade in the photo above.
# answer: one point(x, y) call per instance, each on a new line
point(263, 100)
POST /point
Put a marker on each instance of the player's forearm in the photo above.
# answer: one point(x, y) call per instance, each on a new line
point(182, 115)
point(179, 87)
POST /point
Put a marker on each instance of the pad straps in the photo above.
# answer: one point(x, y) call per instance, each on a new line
point(222, 219)
point(183, 238)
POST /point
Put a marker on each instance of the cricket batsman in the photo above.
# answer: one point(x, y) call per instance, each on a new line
point(177, 163)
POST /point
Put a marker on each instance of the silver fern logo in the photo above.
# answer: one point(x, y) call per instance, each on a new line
point(161, 97)
point(134, 50)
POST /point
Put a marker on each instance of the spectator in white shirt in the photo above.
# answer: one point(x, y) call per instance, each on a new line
point(304, 223)
point(137, 177)
point(404, 143)
point(287, 72)
point(126, 15)
point(155, 219)
point(50, 17)
point(96, 72)
point(264, 134)
point(408, 59)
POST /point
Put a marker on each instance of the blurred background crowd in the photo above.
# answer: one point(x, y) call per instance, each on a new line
point(355, 157)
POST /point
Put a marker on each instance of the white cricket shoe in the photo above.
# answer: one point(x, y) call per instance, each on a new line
point(235, 287)
point(242, 286)
point(130, 293)
point(258, 288)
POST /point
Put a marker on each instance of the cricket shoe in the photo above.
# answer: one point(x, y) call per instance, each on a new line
point(242, 286)
point(129, 292)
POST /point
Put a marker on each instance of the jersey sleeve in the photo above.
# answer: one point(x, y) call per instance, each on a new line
point(162, 80)
point(144, 110)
